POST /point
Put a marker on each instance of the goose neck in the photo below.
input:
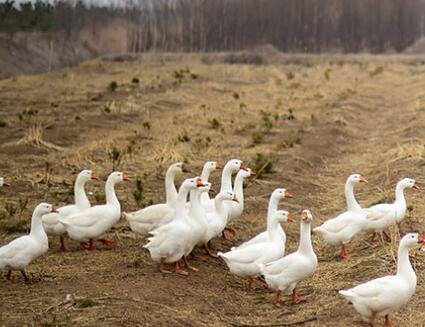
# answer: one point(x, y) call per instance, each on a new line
point(205, 175)
point(37, 229)
point(226, 179)
point(399, 194)
point(352, 204)
point(273, 228)
point(305, 246)
point(170, 187)
point(80, 196)
point(111, 197)
point(404, 267)
point(238, 189)
point(181, 201)
point(219, 207)
point(272, 208)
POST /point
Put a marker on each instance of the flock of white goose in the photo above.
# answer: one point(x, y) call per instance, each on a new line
point(177, 226)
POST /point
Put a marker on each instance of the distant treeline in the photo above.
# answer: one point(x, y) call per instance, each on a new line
point(223, 25)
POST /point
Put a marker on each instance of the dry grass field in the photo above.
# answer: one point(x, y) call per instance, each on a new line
point(304, 122)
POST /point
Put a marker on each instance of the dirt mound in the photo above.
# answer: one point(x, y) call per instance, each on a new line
point(417, 48)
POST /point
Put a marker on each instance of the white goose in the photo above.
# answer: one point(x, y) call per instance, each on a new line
point(230, 168)
point(3, 183)
point(169, 243)
point(381, 296)
point(51, 223)
point(341, 229)
point(237, 207)
point(383, 215)
point(151, 217)
point(19, 253)
point(209, 167)
point(217, 220)
point(198, 219)
point(244, 262)
point(92, 223)
point(275, 197)
point(284, 274)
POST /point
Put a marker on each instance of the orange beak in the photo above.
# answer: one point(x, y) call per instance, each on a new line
point(125, 178)
point(235, 198)
point(421, 238)
point(218, 166)
point(291, 219)
point(288, 195)
point(244, 166)
point(415, 185)
point(93, 175)
point(363, 179)
point(304, 215)
point(199, 182)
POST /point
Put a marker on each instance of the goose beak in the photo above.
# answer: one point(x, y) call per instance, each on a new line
point(288, 195)
point(244, 166)
point(363, 179)
point(291, 219)
point(93, 175)
point(199, 182)
point(235, 198)
point(125, 178)
point(218, 166)
point(304, 215)
point(421, 238)
point(54, 209)
point(415, 186)
point(253, 173)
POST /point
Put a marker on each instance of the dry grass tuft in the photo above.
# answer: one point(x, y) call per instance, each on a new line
point(34, 136)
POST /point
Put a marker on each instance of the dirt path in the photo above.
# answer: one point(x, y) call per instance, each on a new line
point(354, 121)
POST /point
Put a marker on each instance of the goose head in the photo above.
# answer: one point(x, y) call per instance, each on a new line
point(356, 178)
point(192, 183)
point(43, 209)
point(306, 216)
point(281, 193)
point(412, 239)
point(205, 188)
point(118, 176)
point(247, 172)
point(3, 183)
point(409, 182)
point(177, 168)
point(228, 196)
point(283, 216)
point(235, 165)
point(211, 166)
point(87, 175)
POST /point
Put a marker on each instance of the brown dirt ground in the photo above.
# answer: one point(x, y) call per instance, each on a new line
point(352, 114)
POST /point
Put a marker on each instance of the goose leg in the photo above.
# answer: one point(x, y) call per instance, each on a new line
point(250, 282)
point(388, 322)
point(187, 264)
point(209, 251)
point(276, 299)
point(372, 319)
point(9, 273)
point(231, 230)
point(180, 271)
point(87, 246)
point(295, 296)
point(387, 237)
point(63, 247)
point(105, 241)
point(262, 279)
point(344, 254)
point(161, 267)
point(25, 275)
point(373, 239)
